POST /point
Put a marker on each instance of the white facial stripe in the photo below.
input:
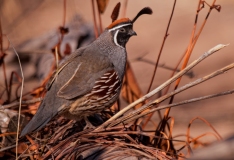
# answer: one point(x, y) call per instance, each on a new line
point(115, 39)
point(117, 27)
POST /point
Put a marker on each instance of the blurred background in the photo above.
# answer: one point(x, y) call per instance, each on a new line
point(32, 27)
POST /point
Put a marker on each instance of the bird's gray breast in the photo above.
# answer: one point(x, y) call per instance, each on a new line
point(116, 54)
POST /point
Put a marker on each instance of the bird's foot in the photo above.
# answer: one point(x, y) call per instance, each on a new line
point(88, 124)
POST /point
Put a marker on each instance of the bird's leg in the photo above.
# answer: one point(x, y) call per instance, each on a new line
point(88, 124)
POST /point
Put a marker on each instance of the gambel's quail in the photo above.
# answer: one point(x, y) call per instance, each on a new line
point(90, 79)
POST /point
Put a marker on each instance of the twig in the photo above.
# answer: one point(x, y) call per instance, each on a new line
point(94, 20)
point(203, 135)
point(190, 74)
point(11, 82)
point(20, 100)
point(56, 57)
point(161, 99)
point(160, 52)
point(182, 103)
point(100, 21)
point(16, 104)
point(7, 134)
point(142, 99)
point(190, 48)
point(6, 148)
point(124, 8)
point(2, 56)
point(157, 61)
point(186, 59)
point(64, 12)
point(207, 123)
point(5, 80)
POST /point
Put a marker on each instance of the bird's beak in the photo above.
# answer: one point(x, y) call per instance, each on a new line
point(132, 33)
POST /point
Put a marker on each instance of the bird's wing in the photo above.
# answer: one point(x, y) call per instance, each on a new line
point(54, 75)
point(69, 59)
point(85, 71)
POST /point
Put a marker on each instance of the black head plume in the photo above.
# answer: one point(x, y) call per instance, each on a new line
point(115, 12)
point(146, 10)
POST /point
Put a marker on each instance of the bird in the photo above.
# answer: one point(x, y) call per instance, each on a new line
point(90, 79)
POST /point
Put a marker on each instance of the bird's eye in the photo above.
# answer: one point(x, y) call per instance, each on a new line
point(122, 30)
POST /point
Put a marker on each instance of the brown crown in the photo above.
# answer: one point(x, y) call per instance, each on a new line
point(119, 21)
point(115, 13)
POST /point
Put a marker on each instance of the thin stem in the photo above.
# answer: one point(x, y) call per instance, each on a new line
point(125, 8)
point(56, 57)
point(160, 52)
point(157, 60)
point(20, 100)
point(5, 80)
point(161, 99)
point(2, 55)
point(185, 87)
point(166, 90)
point(64, 12)
point(100, 21)
point(16, 104)
point(207, 123)
point(181, 73)
point(180, 103)
point(175, 69)
point(188, 54)
point(94, 20)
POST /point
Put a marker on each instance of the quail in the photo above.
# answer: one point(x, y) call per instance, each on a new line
point(90, 79)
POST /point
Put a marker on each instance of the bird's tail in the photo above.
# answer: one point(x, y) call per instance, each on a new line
point(39, 120)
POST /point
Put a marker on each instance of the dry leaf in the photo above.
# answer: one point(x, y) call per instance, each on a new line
point(115, 12)
point(102, 5)
point(21, 148)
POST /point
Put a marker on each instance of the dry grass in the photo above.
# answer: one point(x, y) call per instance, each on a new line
point(120, 133)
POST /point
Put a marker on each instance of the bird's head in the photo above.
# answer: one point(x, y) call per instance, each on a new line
point(122, 29)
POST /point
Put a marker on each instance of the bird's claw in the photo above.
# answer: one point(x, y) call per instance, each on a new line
point(88, 125)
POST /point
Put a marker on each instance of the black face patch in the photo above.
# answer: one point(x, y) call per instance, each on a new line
point(122, 35)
